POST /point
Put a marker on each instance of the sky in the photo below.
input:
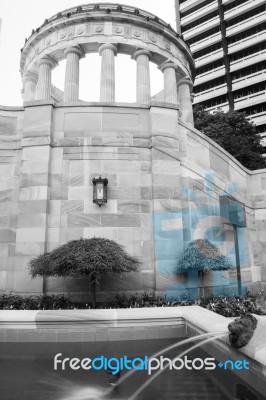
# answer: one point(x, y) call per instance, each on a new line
point(19, 17)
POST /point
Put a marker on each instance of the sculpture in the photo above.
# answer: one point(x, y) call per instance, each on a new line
point(242, 330)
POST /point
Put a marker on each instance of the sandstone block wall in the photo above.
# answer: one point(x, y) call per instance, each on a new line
point(165, 180)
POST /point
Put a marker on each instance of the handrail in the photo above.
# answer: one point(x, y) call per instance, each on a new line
point(207, 55)
point(214, 89)
point(231, 45)
point(237, 7)
point(210, 71)
point(247, 77)
point(200, 9)
point(248, 57)
point(206, 39)
point(249, 96)
point(203, 25)
point(246, 21)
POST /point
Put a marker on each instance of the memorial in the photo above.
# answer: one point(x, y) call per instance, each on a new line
point(165, 178)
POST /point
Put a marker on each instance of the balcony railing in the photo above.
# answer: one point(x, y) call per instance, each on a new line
point(196, 30)
point(258, 119)
point(210, 93)
point(189, 4)
point(223, 106)
point(248, 60)
point(247, 42)
point(199, 13)
point(207, 59)
point(242, 8)
point(243, 25)
point(216, 37)
point(249, 79)
point(251, 99)
point(215, 73)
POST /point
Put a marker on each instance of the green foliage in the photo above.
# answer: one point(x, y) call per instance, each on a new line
point(233, 132)
point(202, 255)
point(145, 300)
point(231, 306)
point(227, 306)
point(84, 257)
point(42, 302)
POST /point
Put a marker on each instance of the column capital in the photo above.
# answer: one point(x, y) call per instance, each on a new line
point(47, 60)
point(185, 81)
point(110, 46)
point(30, 76)
point(74, 49)
point(142, 52)
point(168, 65)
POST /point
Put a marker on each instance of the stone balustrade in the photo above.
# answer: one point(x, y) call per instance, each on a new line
point(108, 34)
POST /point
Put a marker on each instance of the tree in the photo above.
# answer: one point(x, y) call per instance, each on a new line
point(201, 255)
point(234, 133)
point(84, 257)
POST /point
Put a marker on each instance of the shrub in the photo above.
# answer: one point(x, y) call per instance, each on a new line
point(232, 306)
point(227, 306)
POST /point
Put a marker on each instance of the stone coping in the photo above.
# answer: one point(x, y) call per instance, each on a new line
point(221, 150)
point(11, 108)
point(81, 103)
point(80, 321)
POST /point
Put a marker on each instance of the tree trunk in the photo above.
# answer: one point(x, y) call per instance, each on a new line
point(202, 288)
point(193, 284)
point(93, 291)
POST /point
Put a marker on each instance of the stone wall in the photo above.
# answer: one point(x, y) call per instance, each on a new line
point(165, 179)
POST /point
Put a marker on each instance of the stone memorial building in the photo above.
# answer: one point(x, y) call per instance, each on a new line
point(166, 180)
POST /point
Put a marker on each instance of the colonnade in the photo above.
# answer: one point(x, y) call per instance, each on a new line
point(38, 87)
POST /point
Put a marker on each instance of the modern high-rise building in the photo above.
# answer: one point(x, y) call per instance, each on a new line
point(228, 41)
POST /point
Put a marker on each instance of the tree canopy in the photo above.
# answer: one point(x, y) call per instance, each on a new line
point(202, 255)
point(84, 257)
point(233, 132)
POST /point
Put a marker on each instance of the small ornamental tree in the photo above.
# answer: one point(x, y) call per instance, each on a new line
point(84, 258)
point(201, 255)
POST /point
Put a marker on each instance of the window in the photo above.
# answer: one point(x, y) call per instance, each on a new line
point(247, 15)
point(203, 35)
point(208, 50)
point(234, 4)
point(247, 33)
point(252, 69)
point(247, 52)
point(210, 84)
point(257, 109)
point(210, 67)
point(200, 21)
point(261, 128)
point(216, 101)
point(247, 91)
point(198, 7)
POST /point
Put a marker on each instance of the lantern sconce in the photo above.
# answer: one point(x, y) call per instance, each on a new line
point(100, 190)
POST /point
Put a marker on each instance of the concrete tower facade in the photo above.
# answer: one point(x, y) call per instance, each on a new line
point(228, 42)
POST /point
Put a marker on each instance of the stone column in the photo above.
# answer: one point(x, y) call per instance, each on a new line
point(184, 88)
point(71, 90)
point(170, 92)
point(29, 83)
point(45, 64)
point(108, 52)
point(142, 58)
